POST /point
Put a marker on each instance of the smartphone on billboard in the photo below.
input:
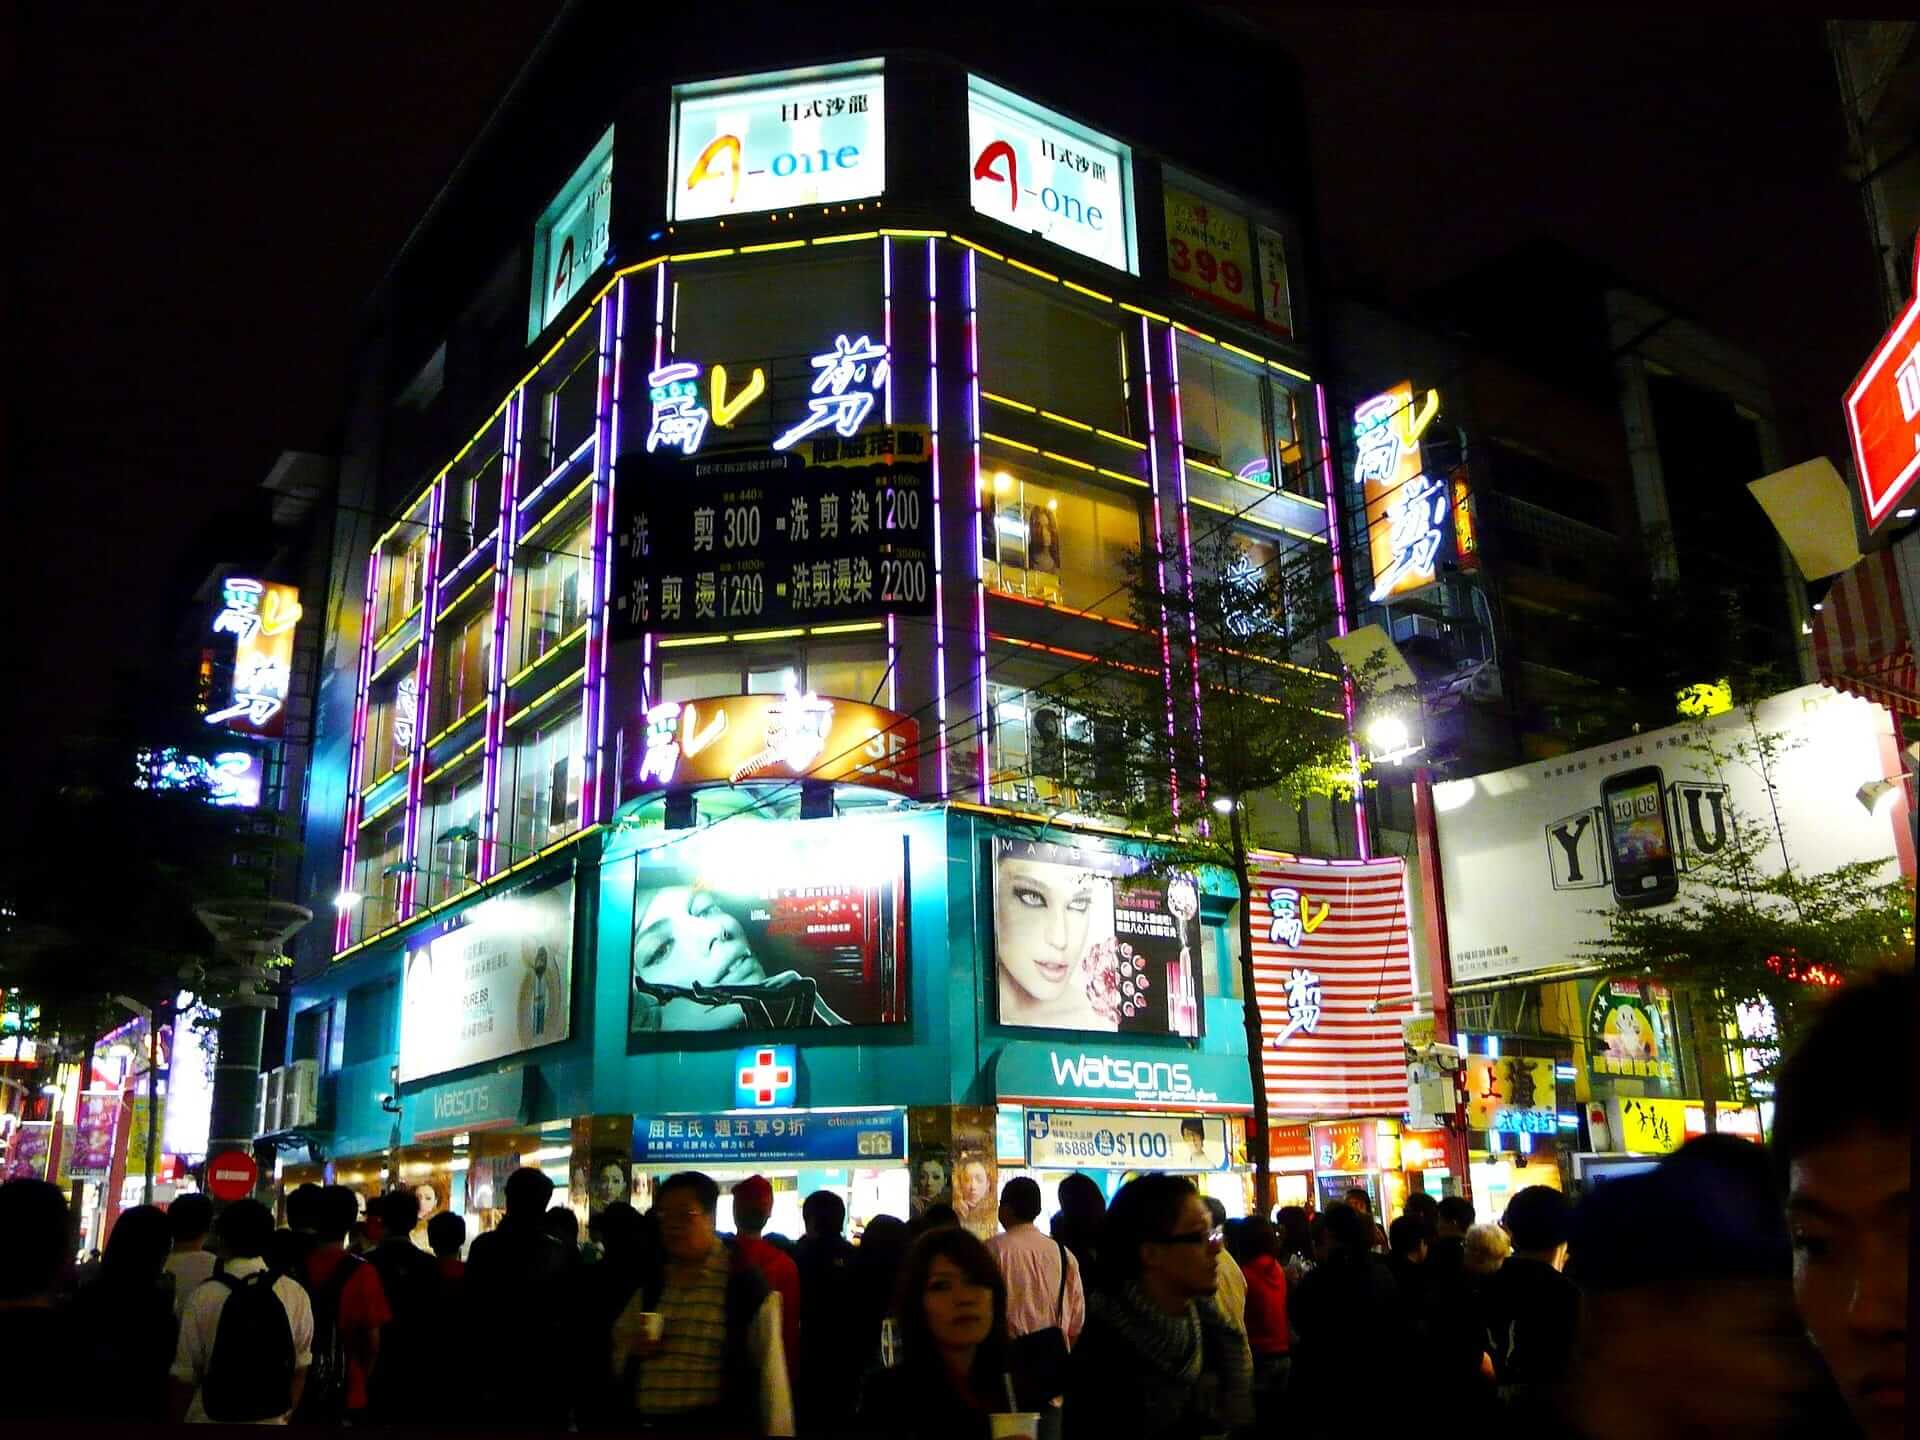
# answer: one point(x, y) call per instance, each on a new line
point(1635, 805)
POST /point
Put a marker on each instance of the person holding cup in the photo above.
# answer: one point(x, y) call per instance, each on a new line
point(952, 1376)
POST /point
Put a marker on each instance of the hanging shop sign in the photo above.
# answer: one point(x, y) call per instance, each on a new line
point(843, 1137)
point(487, 1102)
point(1209, 254)
point(1349, 1147)
point(1466, 532)
point(779, 928)
point(1103, 1077)
point(1630, 1029)
point(835, 525)
point(1276, 298)
point(1511, 1096)
point(188, 1115)
point(1883, 414)
point(1079, 1140)
point(737, 739)
point(1332, 973)
point(1036, 170)
point(261, 616)
point(96, 1123)
point(1290, 1148)
point(29, 1149)
point(225, 777)
point(494, 980)
point(1086, 938)
point(1406, 508)
point(1534, 858)
point(770, 142)
point(570, 239)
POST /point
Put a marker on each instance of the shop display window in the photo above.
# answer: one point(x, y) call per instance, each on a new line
point(449, 859)
point(462, 653)
point(540, 777)
point(1047, 537)
point(1037, 348)
point(552, 584)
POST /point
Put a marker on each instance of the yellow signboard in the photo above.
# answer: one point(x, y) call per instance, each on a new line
point(1511, 1095)
point(1652, 1127)
point(1208, 252)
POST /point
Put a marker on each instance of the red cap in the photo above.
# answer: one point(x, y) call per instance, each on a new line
point(756, 1191)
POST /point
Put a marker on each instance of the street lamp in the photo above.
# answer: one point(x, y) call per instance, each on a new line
point(1222, 805)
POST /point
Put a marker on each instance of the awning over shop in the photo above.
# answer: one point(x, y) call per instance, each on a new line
point(1860, 639)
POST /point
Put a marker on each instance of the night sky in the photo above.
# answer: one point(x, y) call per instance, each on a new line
point(207, 192)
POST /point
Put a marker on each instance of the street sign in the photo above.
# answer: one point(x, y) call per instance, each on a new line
point(1883, 414)
point(231, 1175)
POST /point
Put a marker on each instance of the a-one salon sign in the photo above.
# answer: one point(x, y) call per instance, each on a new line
point(1036, 170)
point(1099, 1076)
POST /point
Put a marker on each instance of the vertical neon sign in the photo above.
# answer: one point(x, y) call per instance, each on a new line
point(979, 531)
point(423, 688)
point(886, 325)
point(1340, 621)
point(933, 445)
point(1160, 563)
point(1186, 552)
point(594, 669)
point(343, 926)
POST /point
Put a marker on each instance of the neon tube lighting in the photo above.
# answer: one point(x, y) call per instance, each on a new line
point(1337, 548)
point(423, 704)
point(933, 447)
point(1159, 547)
point(979, 532)
point(886, 322)
point(514, 422)
point(599, 720)
point(1186, 549)
point(343, 923)
point(565, 465)
point(590, 675)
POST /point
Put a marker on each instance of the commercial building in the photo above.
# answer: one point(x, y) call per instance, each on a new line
point(741, 456)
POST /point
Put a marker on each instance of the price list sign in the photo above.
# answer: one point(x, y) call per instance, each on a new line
point(836, 528)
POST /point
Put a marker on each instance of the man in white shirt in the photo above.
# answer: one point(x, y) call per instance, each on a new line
point(191, 1263)
point(1036, 1298)
point(245, 1229)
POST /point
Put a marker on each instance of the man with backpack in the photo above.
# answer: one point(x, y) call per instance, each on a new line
point(349, 1307)
point(246, 1337)
point(403, 1384)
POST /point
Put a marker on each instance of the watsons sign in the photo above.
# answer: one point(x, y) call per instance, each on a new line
point(1097, 1076)
point(489, 1103)
point(1036, 170)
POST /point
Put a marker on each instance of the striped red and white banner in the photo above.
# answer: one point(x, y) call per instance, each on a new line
point(1860, 640)
point(1333, 974)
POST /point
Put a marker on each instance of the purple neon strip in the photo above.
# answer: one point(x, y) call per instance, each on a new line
point(422, 706)
point(343, 924)
point(1186, 549)
point(599, 719)
point(939, 588)
point(595, 649)
point(979, 532)
point(1334, 540)
point(1160, 551)
point(886, 320)
point(502, 590)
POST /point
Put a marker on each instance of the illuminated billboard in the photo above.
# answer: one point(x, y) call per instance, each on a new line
point(571, 238)
point(1883, 415)
point(261, 616)
point(1406, 508)
point(228, 777)
point(734, 739)
point(1036, 170)
point(769, 142)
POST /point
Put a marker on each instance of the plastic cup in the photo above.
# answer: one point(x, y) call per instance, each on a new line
point(652, 1323)
point(1023, 1425)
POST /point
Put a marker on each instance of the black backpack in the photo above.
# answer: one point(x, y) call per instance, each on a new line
point(250, 1373)
point(324, 1400)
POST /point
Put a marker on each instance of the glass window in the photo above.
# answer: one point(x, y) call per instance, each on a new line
point(387, 743)
point(1046, 352)
point(855, 671)
point(697, 676)
point(1052, 538)
point(462, 653)
point(568, 408)
point(450, 835)
point(473, 500)
point(1043, 749)
point(1222, 414)
point(540, 777)
point(551, 587)
point(402, 582)
point(377, 868)
point(846, 670)
point(372, 1013)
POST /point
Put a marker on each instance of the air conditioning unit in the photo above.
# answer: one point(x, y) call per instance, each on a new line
point(1485, 684)
point(300, 1098)
point(264, 1116)
point(276, 1088)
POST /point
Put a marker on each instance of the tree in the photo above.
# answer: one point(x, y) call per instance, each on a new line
point(1221, 705)
point(1751, 935)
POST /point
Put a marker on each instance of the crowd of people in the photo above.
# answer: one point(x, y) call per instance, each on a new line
point(1731, 1290)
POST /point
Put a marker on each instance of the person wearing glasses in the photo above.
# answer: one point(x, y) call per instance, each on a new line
point(1158, 1358)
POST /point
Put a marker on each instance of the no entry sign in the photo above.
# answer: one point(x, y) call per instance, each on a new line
point(231, 1175)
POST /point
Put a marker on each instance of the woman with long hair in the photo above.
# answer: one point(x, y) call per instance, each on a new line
point(126, 1313)
point(952, 1367)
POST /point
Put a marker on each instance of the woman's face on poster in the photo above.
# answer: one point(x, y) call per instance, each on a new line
point(683, 936)
point(1041, 915)
point(970, 1185)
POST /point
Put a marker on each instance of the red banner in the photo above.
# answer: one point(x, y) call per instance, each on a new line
point(1333, 974)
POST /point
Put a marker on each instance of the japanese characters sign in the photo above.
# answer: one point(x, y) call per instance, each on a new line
point(1330, 964)
point(728, 739)
point(494, 980)
point(1208, 253)
point(767, 142)
point(1406, 507)
point(261, 616)
point(1036, 170)
point(832, 526)
point(844, 1137)
point(1883, 414)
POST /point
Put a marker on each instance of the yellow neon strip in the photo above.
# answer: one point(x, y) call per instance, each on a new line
point(701, 254)
point(772, 245)
point(769, 634)
point(1116, 475)
point(843, 239)
point(1245, 354)
point(1305, 535)
point(539, 855)
point(1197, 334)
point(635, 269)
point(685, 640)
point(525, 710)
point(1009, 402)
point(464, 755)
point(916, 234)
point(554, 510)
point(453, 727)
point(1289, 370)
point(981, 248)
point(578, 631)
point(1085, 291)
point(453, 604)
point(1150, 314)
point(384, 811)
point(383, 780)
point(1067, 420)
point(1033, 270)
point(404, 652)
point(1069, 460)
point(1016, 444)
point(847, 629)
point(1120, 439)
point(401, 524)
point(1223, 474)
